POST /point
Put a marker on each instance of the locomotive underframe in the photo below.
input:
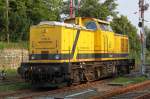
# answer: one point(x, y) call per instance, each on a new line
point(73, 73)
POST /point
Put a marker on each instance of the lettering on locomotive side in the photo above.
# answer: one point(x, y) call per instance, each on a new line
point(45, 42)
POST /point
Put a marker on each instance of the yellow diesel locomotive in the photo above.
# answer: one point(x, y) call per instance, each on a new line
point(74, 51)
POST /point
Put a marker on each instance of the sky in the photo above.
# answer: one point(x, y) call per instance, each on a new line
point(129, 7)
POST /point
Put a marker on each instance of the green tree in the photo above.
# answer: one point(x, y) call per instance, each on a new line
point(94, 8)
point(39, 10)
point(147, 32)
point(24, 13)
point(2, 21)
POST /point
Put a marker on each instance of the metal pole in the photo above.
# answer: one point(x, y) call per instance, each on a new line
point(71, 8)
point(141, 19)
point(76, 7)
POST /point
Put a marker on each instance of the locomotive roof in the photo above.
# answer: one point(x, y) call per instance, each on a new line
point(55, 23)
point(98, 20)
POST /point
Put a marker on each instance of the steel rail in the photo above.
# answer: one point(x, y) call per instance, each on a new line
point(123, 90)
point(64, 89)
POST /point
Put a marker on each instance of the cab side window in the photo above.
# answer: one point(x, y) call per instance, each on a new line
point(91, 25)
point(105, 27)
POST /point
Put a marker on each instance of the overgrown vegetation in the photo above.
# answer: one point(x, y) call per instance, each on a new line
point(147, 32)
point(11, 74)
point(127, 80)
point(13, 45)
point(14, 87)
point(23, 14)
point(147, 57)
point(94, 8)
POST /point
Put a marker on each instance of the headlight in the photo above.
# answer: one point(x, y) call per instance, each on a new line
point(32, 57)
point(56, 69)
point(111, 56)
point(39, 70)
point(57, 57)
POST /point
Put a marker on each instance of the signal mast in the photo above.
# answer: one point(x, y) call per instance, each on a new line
point(71, 8)
point(74, 8)
point(142, 8)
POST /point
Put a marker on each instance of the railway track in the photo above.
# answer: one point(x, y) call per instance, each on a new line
point(136, 91)
point(14, 94)
point(133, 94)
point(145, 96)
point(11, 80)
point(29, 94)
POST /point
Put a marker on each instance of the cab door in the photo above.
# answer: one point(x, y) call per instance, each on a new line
point(95, 36)
point(108, 38)
point(104, 38)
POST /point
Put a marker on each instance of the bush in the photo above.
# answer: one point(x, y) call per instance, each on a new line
point(1, 45)
point(14, 45)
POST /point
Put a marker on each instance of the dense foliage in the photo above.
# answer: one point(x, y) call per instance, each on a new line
point(147, 32)
point(24, 13)
point(94, 8)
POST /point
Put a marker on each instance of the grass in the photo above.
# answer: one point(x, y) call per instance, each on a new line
point(126, 80)
point(121, 80)
point(11, 74)
point(13, 45)
point(147, 58)
point(14, 87)
point(139, 79)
